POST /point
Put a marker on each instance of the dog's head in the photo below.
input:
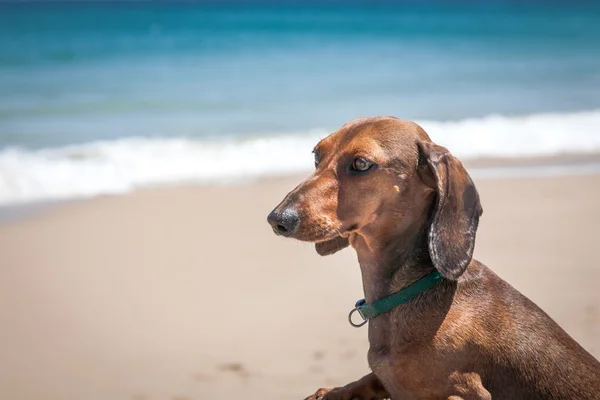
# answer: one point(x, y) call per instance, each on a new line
point(377, 177)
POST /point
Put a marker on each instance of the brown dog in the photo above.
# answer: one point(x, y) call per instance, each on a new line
point(408, 207)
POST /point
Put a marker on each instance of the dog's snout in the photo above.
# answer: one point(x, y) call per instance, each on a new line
point(284, 222)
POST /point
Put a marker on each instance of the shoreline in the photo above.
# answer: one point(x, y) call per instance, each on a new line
point(478, 168)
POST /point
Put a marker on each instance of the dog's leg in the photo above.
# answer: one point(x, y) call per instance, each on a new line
point(468, 387)
point(367, 388)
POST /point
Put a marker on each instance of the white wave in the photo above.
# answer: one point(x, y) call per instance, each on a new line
point(533, 135)
point(125, 164)
point(122, 165)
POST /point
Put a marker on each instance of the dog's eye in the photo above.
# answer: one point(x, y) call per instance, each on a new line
point(361, 164)
point(317, 155)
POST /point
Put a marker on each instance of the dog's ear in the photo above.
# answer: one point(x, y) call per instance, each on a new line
point(331, 246)
point(456, 211)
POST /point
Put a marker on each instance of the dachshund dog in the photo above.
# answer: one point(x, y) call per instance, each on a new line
point(409, 208)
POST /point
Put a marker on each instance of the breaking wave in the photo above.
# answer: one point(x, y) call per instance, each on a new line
point(125, 164)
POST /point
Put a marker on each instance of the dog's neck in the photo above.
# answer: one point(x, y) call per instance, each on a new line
point(388, 266)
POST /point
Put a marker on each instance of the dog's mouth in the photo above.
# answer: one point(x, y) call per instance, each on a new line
point(320, 233)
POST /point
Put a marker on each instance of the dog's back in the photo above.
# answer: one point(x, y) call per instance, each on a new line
point(528, 355)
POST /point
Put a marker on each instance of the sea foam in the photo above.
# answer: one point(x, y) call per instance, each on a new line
point(122, 165)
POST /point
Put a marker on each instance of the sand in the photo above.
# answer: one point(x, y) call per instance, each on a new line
point(185, 293)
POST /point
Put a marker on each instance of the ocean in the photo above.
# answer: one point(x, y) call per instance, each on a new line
point(109, 97)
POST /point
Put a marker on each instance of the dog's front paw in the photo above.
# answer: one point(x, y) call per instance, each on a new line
point(332, 394)
point(319, 394)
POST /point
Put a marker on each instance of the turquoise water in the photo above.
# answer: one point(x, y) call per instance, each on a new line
point(79, 72)
point(134, 88)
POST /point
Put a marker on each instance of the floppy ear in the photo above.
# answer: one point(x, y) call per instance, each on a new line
point(331, 246)
point(456, 212)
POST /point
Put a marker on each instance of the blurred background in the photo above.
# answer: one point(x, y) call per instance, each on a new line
point(142, 145)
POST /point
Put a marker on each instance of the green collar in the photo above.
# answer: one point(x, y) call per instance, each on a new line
point(381, 306)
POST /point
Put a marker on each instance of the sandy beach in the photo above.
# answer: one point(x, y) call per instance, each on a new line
point(185, 293)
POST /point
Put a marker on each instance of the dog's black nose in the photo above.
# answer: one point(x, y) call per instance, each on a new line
point(284, 223)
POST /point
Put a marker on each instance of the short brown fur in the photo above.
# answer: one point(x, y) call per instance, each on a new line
point(472, 336)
